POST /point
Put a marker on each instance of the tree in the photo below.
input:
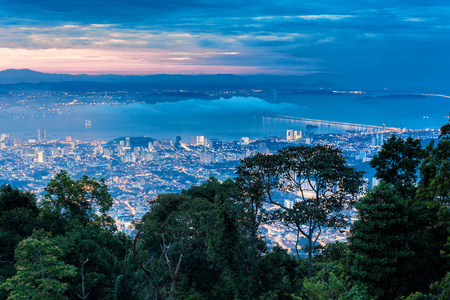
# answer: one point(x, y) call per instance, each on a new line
point(398, 162)
point(210, 226)
point(380, 243)
point(438, 291)
point(445, 130)
point(18, 217)
point(255, 179)
point(75, 212)
point(85, 200)
point(40, 270)
point(328, 286)
point(319, 176)
point(435, 172)
point(175, 230)
point(281, 274)
point(409, 221)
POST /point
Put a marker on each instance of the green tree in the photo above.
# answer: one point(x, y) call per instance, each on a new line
point(256, 179)
point(229, 252)
point(319, 176)
point(445, 130)
point(85, 200)
point(40, 270)
point(328, 286)
point(439, 291)
point(18, 217)
point(434, 193)
point(404, 214)
point(183, 220)
point(209, 224)
point(281, 274)
point(75, 212)
point(435, 173)
point(380, 243)
point(397, 163)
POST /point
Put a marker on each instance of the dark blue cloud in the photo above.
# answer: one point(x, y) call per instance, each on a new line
point(402, 41)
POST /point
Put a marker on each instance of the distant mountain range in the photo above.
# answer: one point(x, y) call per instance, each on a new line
point(29, 79)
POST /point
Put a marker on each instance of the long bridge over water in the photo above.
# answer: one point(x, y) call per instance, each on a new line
point(352, 126)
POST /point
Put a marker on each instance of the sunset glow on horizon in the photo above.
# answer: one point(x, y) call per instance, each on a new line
point(361, 41)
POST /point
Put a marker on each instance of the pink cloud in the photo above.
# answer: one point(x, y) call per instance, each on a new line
point(118, 61)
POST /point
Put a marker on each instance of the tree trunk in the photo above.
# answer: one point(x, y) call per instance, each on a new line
point(310, 250)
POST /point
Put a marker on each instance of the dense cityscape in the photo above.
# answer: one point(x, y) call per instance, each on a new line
point(137, 169)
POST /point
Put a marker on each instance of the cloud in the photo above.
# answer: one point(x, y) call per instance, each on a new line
point(118, 61)
point(234, 107)
point(415, 19)
point(352, 38)
point(305, 17)
point(192, 111)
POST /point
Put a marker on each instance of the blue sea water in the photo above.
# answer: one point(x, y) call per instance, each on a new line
point(226, 119)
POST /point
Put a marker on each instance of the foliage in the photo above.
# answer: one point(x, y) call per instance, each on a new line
point(18, 218)
point(213, 228)
point(40, 270)
point(281, 274)
point(70, 212)
point(435, 173)
point(439, 291)
point(67, 199)
point(397, 163)
point(445, 130)
point(380, 242)
point(319, 176)
point(327, 286)
point(182, 218)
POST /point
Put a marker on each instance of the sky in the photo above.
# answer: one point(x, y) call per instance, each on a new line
point(401, 41)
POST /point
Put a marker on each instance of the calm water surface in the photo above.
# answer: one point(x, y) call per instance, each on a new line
point(226, 119)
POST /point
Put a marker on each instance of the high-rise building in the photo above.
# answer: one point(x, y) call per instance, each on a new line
point(178, 141)
point(198, 140)
point(38, 135)
point(245, 140)
point(127, 142)
point(380, 139)
point(45, 134)
point(289, 135)
point(68, 138)
point(41, 157)
point(293, 135)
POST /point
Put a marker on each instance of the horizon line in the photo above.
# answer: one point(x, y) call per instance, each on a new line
point(175, 74)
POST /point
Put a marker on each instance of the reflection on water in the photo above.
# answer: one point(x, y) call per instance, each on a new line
point(223, 118)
